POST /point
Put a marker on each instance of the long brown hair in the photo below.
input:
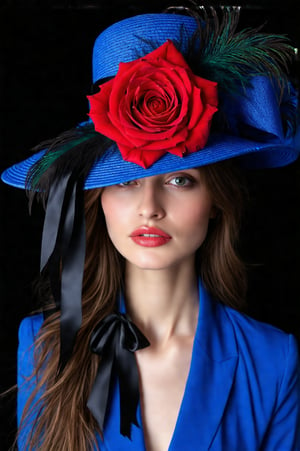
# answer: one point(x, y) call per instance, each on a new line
point(221, 268)
point(64, 423)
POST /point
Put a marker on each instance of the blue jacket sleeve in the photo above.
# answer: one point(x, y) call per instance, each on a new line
point(28, 330)
point(284, 430)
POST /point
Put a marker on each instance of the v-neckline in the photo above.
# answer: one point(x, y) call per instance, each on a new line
point(179, 413)
point(122, 308)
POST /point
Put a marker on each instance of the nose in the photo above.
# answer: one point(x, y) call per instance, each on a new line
point(150, 202)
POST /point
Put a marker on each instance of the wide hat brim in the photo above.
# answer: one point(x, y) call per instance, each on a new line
point(111, 169)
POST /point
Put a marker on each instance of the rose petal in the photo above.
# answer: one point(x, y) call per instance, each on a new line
point(199, 134)
point(170, 53)
point(196, 107)
point(138, 156)
point(210, 91)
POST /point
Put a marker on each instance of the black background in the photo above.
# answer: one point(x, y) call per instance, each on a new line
point(45, 74)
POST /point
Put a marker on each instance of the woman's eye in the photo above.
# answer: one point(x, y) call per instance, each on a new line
point(180, 181)
point(130, 182)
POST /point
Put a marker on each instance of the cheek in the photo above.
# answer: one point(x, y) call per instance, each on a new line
point(110, 209)
point(116, 214)
point(196, 224)
point(199, 215)
point(111, 204)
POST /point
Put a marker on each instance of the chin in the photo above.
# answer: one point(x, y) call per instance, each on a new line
point(159, 264)
point(149, 266)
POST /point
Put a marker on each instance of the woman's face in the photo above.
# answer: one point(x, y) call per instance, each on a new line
point(158, 222)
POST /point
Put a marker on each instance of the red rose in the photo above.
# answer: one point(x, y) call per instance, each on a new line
point(155, 105)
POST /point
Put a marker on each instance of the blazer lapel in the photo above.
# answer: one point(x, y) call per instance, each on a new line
point(210, 379)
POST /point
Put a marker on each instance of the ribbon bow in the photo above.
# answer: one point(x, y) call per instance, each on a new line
point(115, 339)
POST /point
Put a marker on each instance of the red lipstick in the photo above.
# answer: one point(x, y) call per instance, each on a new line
point(150, 237)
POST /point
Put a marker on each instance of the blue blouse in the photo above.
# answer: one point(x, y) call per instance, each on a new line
point(242, 391)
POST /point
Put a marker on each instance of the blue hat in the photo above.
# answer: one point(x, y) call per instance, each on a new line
point(256, 111)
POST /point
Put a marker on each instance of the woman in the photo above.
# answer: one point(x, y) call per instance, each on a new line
point(139, 247)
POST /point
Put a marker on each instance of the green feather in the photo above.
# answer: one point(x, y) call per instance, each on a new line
point(57, 148)
point(231, 57)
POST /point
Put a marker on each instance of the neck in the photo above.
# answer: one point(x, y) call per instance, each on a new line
point(163, 304)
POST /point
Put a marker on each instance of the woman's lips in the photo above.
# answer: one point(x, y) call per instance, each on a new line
point(150, 237)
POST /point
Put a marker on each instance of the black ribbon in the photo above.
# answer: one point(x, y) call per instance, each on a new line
point(115, 339)
point(63, 250)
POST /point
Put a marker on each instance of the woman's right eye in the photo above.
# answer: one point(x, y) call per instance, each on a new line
point(129, 183)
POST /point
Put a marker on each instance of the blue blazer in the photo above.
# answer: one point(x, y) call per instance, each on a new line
point(242, 391)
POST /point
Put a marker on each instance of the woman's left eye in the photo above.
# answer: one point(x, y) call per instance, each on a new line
point(180, 181)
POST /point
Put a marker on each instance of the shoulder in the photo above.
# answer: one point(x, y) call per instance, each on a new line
point(29, 327)
point(266, 388)
point(256, 331)
point(263, 343)
point(28, 330)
